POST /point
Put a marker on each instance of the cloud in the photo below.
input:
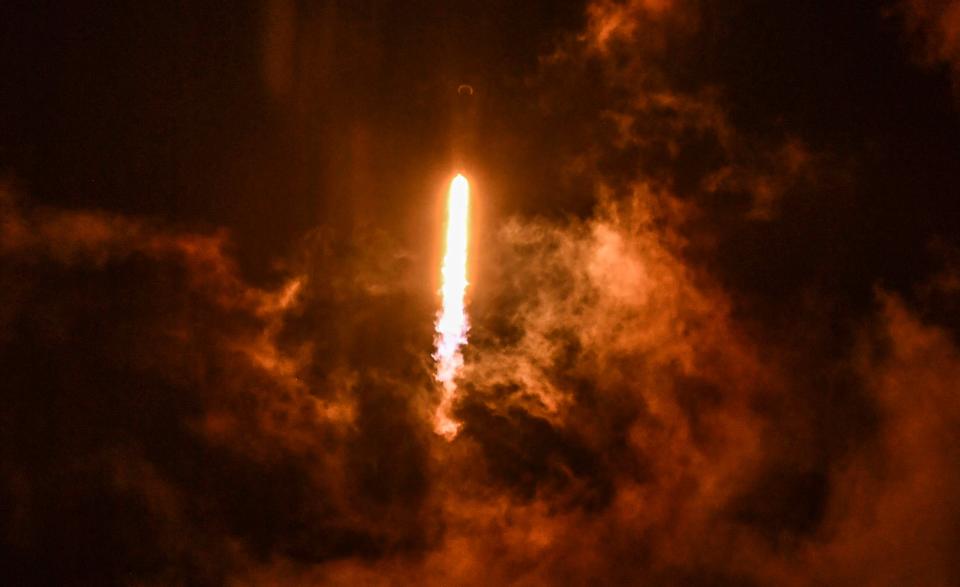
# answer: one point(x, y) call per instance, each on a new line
point(893, 511)
point(162, 421)
point(936, 24)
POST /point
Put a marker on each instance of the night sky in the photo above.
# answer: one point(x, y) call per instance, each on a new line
point(714, 293)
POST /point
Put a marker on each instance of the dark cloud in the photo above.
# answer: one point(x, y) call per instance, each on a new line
point(713, 295)
point(935, 25)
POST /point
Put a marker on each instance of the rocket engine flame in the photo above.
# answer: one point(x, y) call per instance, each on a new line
point(452, 324)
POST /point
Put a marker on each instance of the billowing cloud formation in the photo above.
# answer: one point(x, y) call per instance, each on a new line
point(696, 357)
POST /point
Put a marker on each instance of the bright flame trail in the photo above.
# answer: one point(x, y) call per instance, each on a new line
point(452, 323)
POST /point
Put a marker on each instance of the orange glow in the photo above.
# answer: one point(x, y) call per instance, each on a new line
point(452, 325)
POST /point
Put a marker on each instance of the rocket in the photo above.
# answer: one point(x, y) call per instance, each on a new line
point(464, 127)
point(453, 325)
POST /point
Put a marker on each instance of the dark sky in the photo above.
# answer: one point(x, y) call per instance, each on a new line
point(714, 293)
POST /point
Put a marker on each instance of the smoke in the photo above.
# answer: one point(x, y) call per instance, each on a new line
point(708, 344)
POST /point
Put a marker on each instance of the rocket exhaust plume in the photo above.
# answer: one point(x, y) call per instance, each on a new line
point(452, 325)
